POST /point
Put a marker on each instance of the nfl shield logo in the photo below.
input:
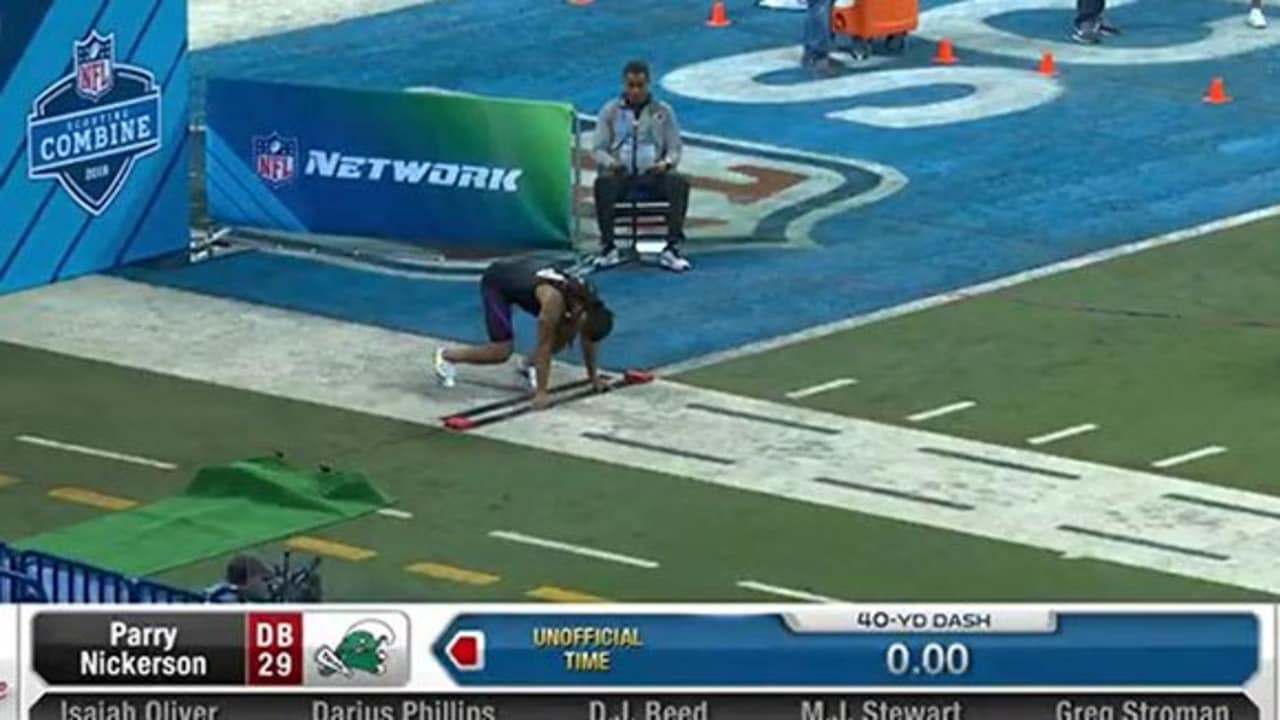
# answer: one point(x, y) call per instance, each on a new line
point(94, 57)
point(276, 158)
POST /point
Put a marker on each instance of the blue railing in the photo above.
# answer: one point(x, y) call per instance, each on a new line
point(31, 576)
point(15, 587)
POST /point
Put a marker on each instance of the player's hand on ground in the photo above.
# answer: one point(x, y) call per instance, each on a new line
point(541, 400)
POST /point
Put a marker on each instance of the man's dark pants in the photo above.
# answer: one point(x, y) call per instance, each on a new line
point(610, 188)
point(1089, 12)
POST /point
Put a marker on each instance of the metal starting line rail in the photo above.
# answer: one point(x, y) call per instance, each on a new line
point(506, 409)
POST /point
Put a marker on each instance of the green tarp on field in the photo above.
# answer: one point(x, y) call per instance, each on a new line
point(224, 509)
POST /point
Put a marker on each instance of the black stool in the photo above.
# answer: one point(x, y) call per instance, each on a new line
point(640, 219)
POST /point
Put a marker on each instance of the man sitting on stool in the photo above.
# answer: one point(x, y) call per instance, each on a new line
point(637, 147)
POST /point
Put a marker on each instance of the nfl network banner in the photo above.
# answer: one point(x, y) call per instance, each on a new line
point(441, 170)
point(93, 127)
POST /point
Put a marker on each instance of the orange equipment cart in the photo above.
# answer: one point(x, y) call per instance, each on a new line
point(866, 21)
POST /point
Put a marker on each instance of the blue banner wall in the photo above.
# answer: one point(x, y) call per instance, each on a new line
point(93, 128)
point(443, 170)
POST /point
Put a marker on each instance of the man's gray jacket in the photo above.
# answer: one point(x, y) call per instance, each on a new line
point(637, 142)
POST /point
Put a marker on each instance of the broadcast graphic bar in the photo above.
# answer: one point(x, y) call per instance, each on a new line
point(629, 662)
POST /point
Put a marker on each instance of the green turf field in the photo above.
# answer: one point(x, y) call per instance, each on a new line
point(1166, 351)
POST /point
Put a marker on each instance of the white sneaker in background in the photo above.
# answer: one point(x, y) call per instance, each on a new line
point(1257, 19)
point(609, 259)
point(672, 260)
point(446, 372)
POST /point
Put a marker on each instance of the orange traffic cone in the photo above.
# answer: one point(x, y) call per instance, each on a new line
point(1047, 65)
point(946, 54)
point(719, 16)
point(1217, 93)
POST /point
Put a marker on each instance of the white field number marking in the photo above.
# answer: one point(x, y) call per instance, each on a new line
point(993, 91)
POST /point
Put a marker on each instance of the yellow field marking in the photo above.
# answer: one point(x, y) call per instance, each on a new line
point(555, 594)
point(321, 546)
point(440, 571)
point(91, 498)
point(7, 480)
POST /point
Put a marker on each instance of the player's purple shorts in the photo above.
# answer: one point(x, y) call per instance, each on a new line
point(497, 309)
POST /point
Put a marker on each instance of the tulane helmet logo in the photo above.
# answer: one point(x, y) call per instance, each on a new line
point(362, 649)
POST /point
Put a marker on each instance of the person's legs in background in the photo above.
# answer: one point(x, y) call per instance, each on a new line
point(1088, 25)
point(817, 36)
point(1257, 18)
point(1105, 27)
point(609, 189)
point(671, 186)
point(674, 187)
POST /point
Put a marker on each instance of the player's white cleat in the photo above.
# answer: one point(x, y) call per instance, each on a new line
point(527, 372)
point(446, 372)
point(1257, 19)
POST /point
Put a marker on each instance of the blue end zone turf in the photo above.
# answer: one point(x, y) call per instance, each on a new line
point(1117, 148)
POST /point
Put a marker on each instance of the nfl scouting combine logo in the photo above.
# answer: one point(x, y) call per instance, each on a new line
point(275, 158)
point(87, 129)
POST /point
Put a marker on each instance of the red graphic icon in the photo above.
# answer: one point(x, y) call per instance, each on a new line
point(466, 650)
point(273, 652)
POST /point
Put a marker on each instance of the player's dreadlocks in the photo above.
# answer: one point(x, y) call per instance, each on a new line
point(581, 295)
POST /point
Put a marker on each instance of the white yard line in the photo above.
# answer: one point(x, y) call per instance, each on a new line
point(991, 286)
point(394, 513)
point(1184, 458)
point(1062, 434)
point(940, 411)
point(784, 592)
point(95, 452)
point(821, 388)
point(582, 550)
